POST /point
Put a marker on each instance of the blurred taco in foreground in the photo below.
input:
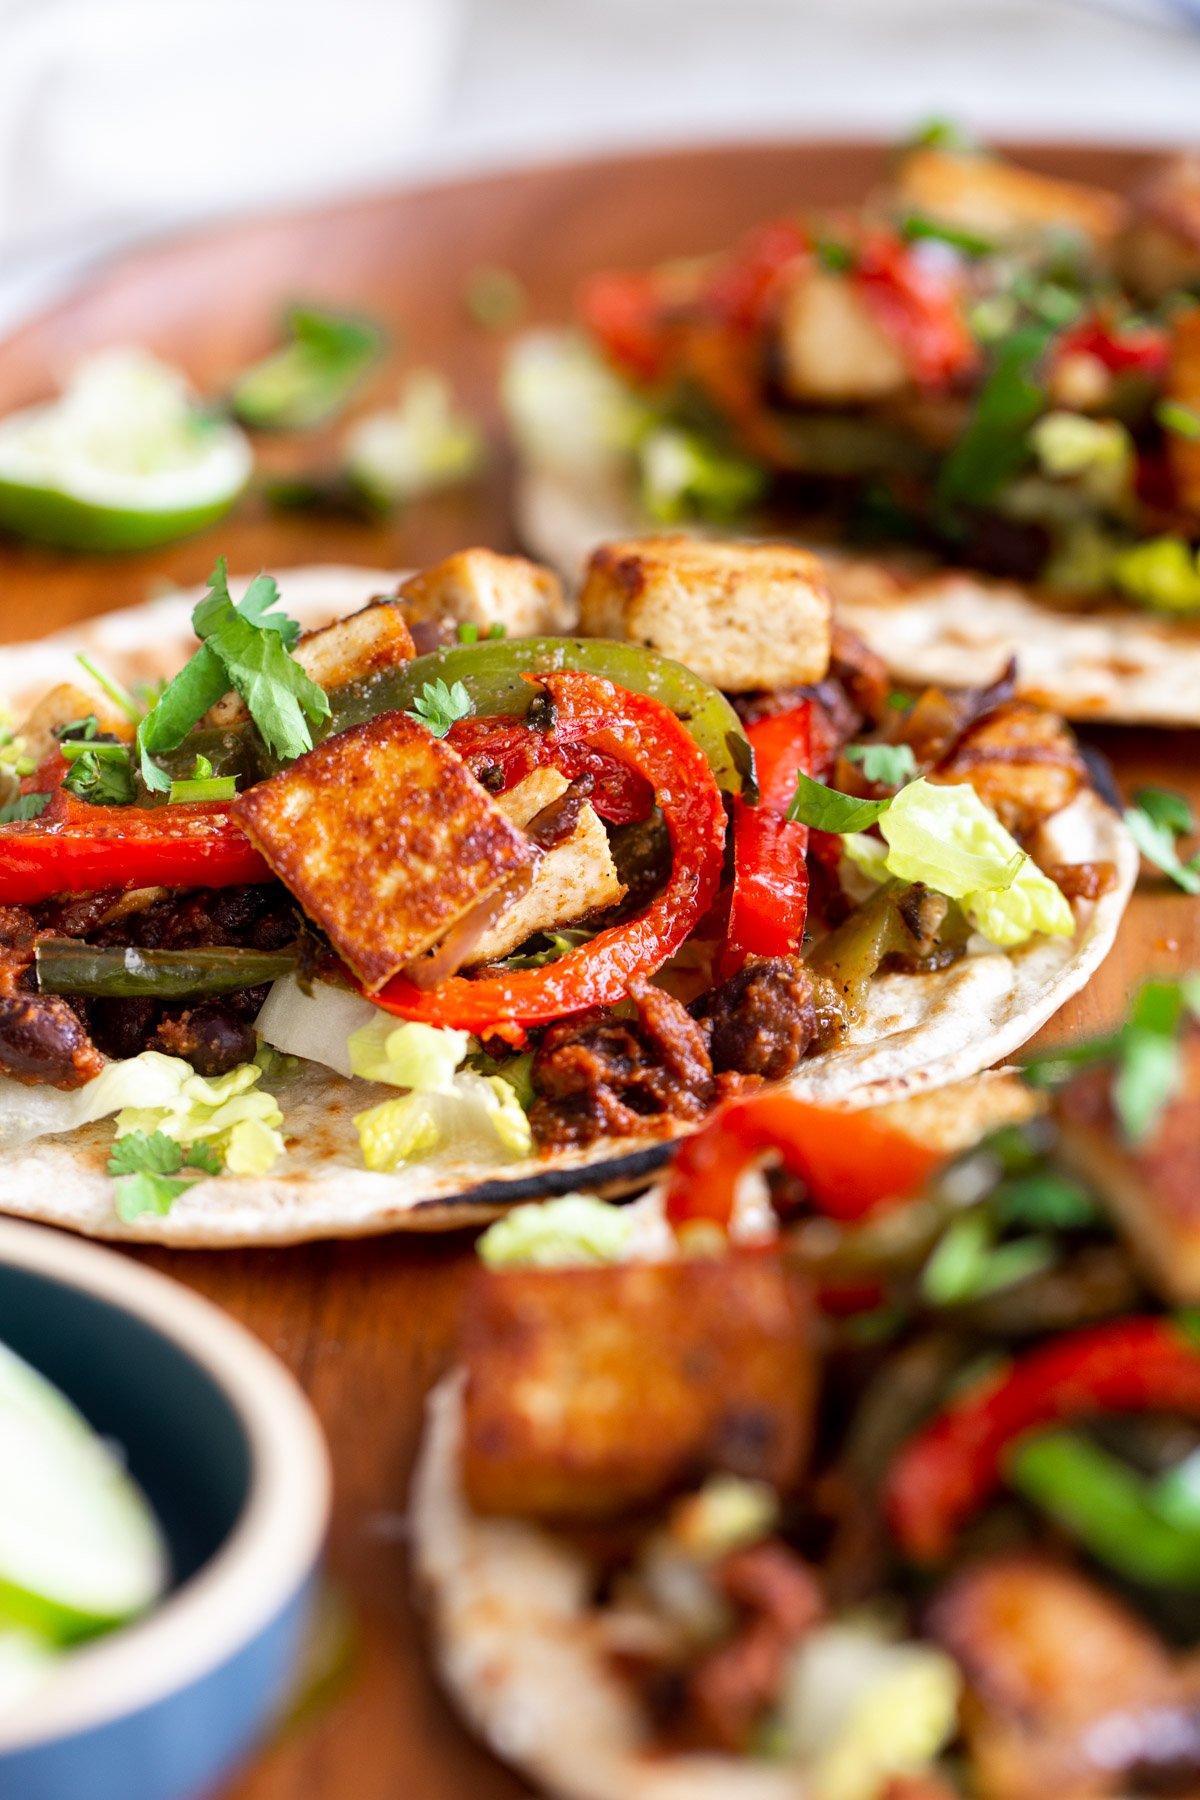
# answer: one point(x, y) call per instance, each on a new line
point(978, 390)
point(433, 908)
point(858, 1460)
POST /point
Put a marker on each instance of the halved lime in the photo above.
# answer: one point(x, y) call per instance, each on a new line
point(80, 1549)
point(124, 459)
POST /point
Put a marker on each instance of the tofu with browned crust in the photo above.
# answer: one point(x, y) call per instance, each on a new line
point(481, 587)
point(573, 878)
point(1160, 251)
point(1183, 386)
point(385, 838)
point(1152, 1188)
point(594, 1392)
point(832, 349)
point(1002, 201)
point(741, 616)
point(351, 649)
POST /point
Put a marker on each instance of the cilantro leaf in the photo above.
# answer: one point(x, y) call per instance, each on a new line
point(438, 707)
point(202, 1156)
point(1145, 1055)
point(76, 729)
point(919, 226)
point(282, 699)
point(151, 1171)
point(255, 606)
point(825, 809)
point(994, 445)
point(891, 764)
point(101, 774)
point(312, 375)
point(24, 808)
point(1154, 821)
point(183, 703)
point(1044, 1199)
point(139, 1153)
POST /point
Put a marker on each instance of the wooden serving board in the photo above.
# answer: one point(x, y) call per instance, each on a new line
point(367, 1327)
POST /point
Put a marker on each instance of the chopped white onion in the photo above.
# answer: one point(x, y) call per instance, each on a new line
point(313, 1025)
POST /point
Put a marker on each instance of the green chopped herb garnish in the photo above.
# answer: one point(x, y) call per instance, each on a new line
point(825, 809)
point(1144, 1055)
point(438, 707)
point(152, 1171)
point(1183, 420)
point(995, 444)
point(100, 773)
point(890, 764)
point(1156, 820)
point(919, 226)
point(213, 787)
point(312, 375)
point(834, 256)
point(24, 808)
point(121, 698)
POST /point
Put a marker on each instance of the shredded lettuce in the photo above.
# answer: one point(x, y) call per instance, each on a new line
point(944, 836)
point(1162, 574)
point(566, 408)
point(417, 446)
point(1097, 454)
point(575, 1230)
point(683, 476)
point(408, 1055)
point(229, 1112)
point(859, 1709)
point(26, 1113)
point(478, 1115)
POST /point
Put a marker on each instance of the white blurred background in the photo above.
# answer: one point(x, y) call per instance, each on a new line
point(120, 118)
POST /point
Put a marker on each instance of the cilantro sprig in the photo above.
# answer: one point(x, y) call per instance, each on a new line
point(889, 764)
point(1144, 1055)
point(438, 707)
point(246, 647)
point(151, 1171)
point(825, 809)
point(1156, 820)
point(995, 444)
point(23, 808)
point(312, 375)
point(100, 769)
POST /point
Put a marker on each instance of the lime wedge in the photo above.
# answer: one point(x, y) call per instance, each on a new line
point(124, 459)
point(80, 1550)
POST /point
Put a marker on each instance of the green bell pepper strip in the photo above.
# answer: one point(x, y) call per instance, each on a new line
point(1107, 1507)
point(493, 673)
point(66, 966)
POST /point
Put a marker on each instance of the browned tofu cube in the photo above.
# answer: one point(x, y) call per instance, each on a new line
point(1153, 1188)
point(481, 587)
point(351, 649)
point(742, 616)
point(832, 349)
point(1002, 201)
point(1160, 251)
point(385, 838)
point(593, 1392)
point(1183, 385)
point(1022, 761)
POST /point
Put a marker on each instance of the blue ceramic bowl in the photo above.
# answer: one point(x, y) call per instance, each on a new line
point(231, 1458)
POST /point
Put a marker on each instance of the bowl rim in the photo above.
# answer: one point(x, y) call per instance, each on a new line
point(267, 1556)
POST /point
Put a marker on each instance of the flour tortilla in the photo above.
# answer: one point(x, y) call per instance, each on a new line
point(952, 628)
point(920, 1031)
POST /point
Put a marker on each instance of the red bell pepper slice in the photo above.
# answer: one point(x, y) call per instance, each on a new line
point(74, 848)
point(507, 743)
point(625, 314)
point(647, 737)
point(1135, 347)
point(921, 311)
point(952, 1467)
point(743, 289)
point(852, 1163)
point(770, 876)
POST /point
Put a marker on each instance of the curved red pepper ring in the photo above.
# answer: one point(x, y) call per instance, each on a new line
point(620, 794)
point(921, 311)
point(852, 1162)
point(951, 1468)
point(769, 902)
point(74, 848)
point(646, 737)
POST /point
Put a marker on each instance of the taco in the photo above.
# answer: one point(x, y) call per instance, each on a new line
point(432, 909)
point(978, 392)
point(867, 1482)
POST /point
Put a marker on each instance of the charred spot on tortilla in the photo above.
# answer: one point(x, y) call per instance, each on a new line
point(385, 838)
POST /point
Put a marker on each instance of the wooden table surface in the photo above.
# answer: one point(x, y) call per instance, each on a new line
point(367, 1327)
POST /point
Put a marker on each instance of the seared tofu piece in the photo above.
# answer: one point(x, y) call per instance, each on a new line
point(1002, 201)
point(594, 1392)
point(481, 587)
point(576, 877)
point(350, 649)
point(955, 1118)
point(1153, 1188)
point(1160, 251)
point(61, 706)
point(1183, 385)
point(1022, 761)
point(742, 616)
point(385, 838)
point(1047, 1655)
point(832, 349)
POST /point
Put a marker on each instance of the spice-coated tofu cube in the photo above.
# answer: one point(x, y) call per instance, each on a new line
point(742, 616)
point(591, 1392)
point(481, 587)
point(385, 838)
point(1003, 202)
point(576, 877)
